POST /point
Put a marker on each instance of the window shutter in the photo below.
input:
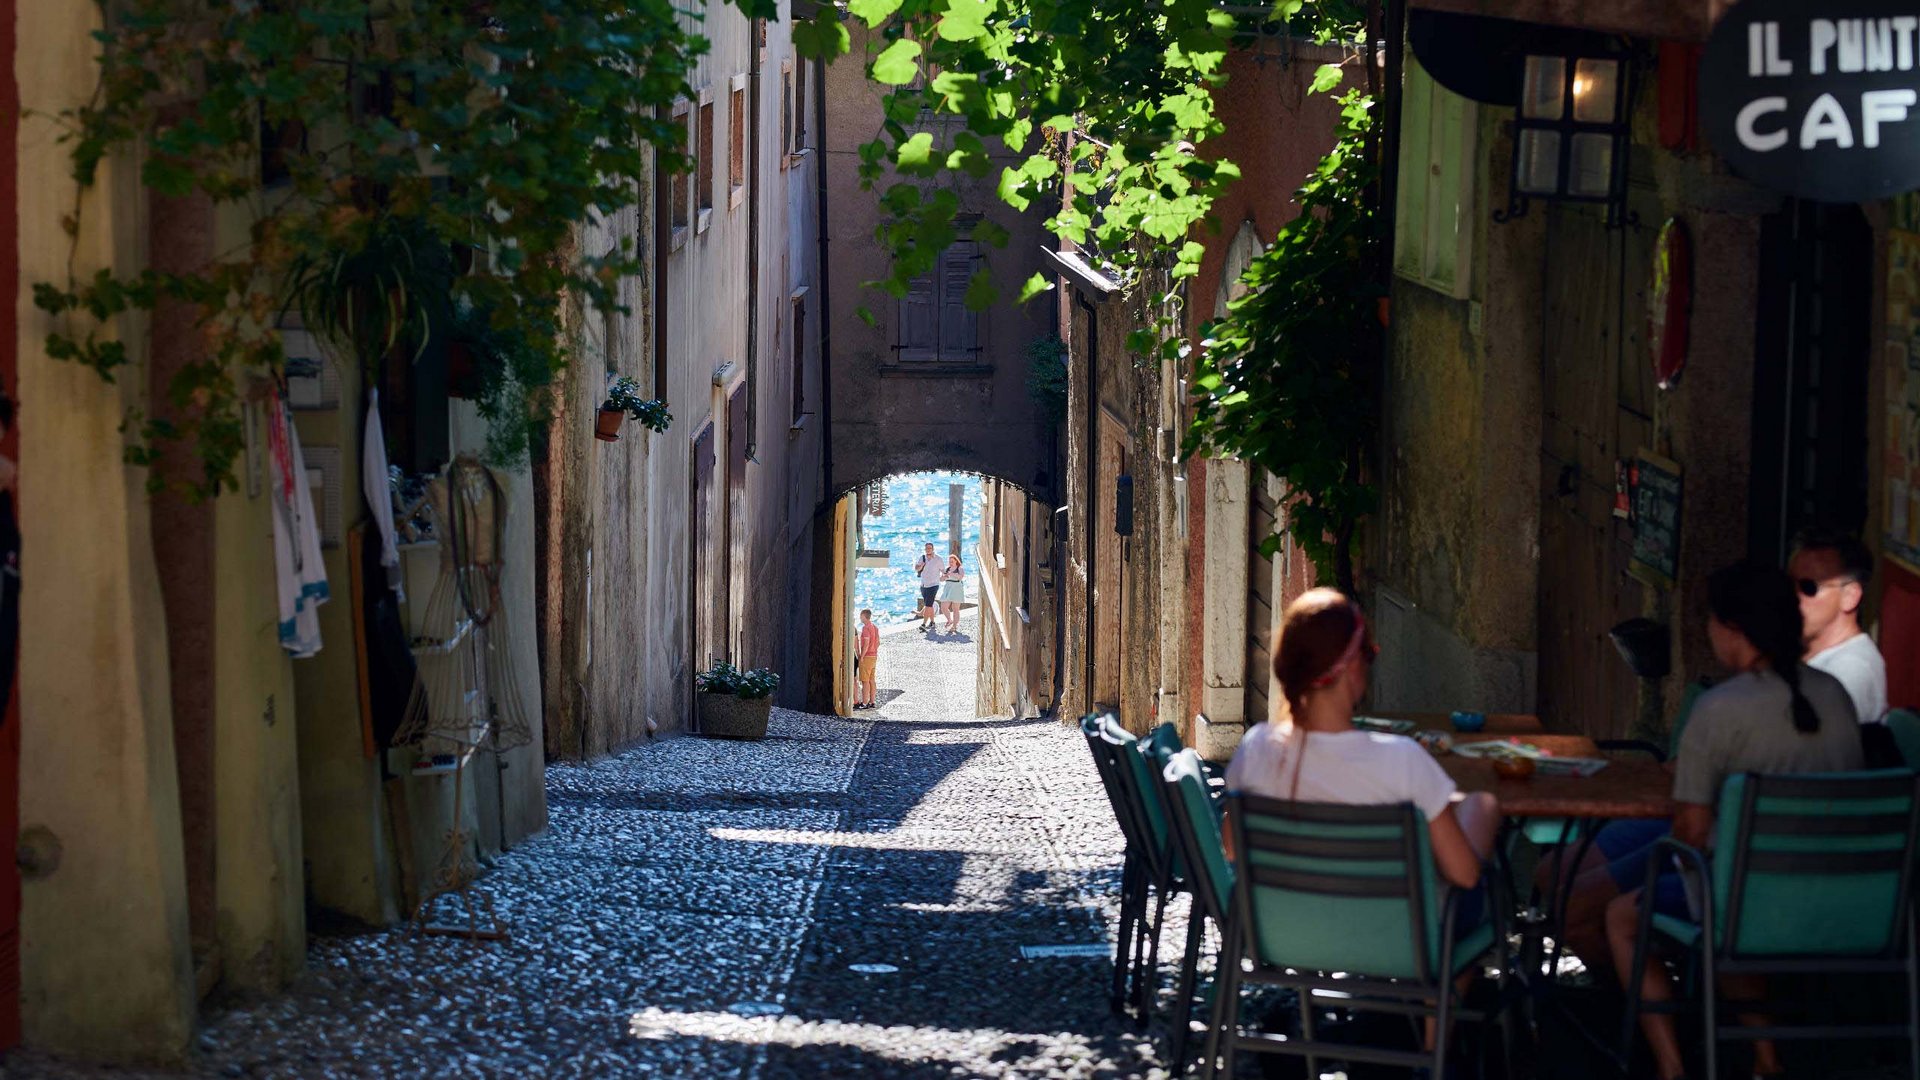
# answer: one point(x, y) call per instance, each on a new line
point(959, 327)
point(1416, 166)
point(1449, 194)
point(919, 323)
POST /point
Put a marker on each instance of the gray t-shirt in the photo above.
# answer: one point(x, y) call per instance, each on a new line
point(1746, 725)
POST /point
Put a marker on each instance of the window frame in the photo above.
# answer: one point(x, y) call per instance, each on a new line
point(704, 171)
point(680, 204)
point(736, 141)
point(939, 288)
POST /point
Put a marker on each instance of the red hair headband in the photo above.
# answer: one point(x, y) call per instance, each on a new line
point(1348, 656)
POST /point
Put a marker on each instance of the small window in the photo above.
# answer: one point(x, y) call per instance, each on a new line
point(799, 143)
point(797, 357)
point(787, 117)
point(737, 142)
point(934, 321)
point(680, 184)
point(704, 172)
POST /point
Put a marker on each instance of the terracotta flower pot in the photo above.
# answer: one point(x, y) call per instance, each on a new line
point(606, 426)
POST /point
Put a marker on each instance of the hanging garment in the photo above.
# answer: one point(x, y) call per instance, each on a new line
point(378, 489)
point(299, 572)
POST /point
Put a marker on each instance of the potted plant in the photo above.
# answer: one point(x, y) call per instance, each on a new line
point(624, 400)
point(735, 704)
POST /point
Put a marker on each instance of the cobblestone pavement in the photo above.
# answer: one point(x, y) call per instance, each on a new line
point(696, 907)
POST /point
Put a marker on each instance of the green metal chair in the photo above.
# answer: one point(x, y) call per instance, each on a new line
point(1808, 875)
point(1163, 872)
point(1133, 872)
point(1905, 726)
point(1196, 833)
point(1321, 889)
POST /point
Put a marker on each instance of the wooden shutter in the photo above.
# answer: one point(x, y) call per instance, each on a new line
point(699, 536)
point(1409, 223)
point(1452, 121)
point(919, 321)
point(959, 327)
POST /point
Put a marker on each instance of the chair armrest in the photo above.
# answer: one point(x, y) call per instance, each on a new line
point(1638, 745)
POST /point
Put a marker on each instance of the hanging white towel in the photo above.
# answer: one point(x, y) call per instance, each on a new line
point(300, 574)
point(379, 492)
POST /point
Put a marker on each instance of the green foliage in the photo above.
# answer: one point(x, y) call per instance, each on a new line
point(1047, 376)
point(513, 368)
point(432, 159)
point(625, 395)
point(724, 678)
point(1288, 380)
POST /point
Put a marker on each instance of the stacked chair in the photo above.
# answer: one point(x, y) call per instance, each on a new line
point(1195, 814)
point(1808, 875)
point(1152, 872)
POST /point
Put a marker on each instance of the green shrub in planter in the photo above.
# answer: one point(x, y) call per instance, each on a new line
point(735, 704)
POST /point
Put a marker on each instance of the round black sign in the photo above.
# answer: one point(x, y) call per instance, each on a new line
point(1817, 100)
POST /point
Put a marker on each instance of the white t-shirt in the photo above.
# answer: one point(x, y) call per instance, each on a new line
point(1358, 768)
point(930, 569)
point(1856, 662)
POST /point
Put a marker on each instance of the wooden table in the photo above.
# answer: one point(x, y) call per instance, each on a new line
point(1497, 723)
point(1631, 786)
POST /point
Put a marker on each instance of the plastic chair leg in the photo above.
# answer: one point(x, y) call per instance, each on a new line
point(1150, 971)
point(1123, 940)
point(1224, 1017)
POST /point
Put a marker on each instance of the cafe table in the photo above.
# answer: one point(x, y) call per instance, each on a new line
point(1496, 723)
point(1631, 786)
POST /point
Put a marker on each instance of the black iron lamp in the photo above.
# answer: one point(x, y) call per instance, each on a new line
point(1571, 132)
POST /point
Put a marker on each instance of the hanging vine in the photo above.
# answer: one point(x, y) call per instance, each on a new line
point(423, 163)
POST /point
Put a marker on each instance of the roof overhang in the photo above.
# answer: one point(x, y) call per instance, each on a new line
point(1675, 20)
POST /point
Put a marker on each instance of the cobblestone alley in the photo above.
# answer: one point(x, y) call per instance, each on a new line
point(697, 907)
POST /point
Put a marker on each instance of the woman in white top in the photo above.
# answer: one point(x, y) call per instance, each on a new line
point(953, 592)
point(1310, 751)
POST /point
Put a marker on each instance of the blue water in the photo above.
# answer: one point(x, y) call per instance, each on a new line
point(916, 513)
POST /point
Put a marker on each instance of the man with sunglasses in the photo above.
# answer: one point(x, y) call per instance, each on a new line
point(1831, 570)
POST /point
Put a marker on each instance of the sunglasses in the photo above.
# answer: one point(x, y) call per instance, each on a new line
point(1809, 587)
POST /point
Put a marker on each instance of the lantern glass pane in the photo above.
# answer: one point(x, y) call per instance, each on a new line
point(1590, 168)
point(1596, 91)
point(1543, 92)
point(1538, 162)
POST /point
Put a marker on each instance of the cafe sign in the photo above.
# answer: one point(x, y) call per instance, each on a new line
point(1818, 100)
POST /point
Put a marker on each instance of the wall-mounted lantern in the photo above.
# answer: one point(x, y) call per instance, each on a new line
point(1571, 133)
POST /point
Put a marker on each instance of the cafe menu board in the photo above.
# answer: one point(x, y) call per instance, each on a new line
point(1656, 519)
point(1900, 448)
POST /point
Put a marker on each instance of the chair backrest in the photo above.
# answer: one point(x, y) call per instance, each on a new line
point(1106, 761)
point(1814, 865)
point(1196, 831)
point(1140, 782)
point(1332, 887)
point(1905, 726)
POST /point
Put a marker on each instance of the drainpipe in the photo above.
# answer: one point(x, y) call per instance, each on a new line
point(822, 278)
point(753, 237)
point(1091, 447)
point(662, 240)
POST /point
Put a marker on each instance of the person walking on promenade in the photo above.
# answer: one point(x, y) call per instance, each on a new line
point(929, 568)
point(865, 695)
point(953, 592)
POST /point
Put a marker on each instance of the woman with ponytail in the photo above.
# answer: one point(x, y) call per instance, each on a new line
point(1773, 715)
point(1310, 751)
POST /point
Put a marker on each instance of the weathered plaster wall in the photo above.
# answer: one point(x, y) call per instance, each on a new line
point(104, 962)
point(903, 417)
point(1276, 132)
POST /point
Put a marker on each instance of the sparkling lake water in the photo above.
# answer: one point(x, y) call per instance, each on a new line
point(916, 513)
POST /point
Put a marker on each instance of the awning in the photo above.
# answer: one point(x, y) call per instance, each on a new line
point(1677, 20)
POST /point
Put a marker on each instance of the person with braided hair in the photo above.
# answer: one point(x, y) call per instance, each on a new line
point(1773, 715)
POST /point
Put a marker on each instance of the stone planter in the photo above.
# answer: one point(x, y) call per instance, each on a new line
point(729, 716)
